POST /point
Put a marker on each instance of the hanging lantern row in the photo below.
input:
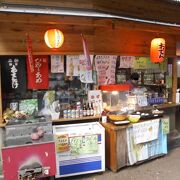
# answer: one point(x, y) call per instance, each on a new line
point(157, 52)
point(54, 38)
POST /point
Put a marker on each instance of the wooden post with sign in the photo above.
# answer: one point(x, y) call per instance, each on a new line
point(1, 116)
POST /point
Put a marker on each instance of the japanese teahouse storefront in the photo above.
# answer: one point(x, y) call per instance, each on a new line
point(112, 40)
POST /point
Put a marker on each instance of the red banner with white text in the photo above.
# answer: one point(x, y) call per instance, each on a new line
point(38, 79)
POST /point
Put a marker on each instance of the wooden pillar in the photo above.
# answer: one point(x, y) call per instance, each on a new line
point(174, 78)
point(1, 116)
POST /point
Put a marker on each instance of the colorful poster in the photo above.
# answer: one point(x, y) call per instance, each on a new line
point(85, 75)
point(29, 106)
point(62, 143)
point(72, 65)
point(84, 145)
point(39, 79)
point(45, 100)
point(57, 64)
point(106, 67)
point(13, 74)
point(126, 61)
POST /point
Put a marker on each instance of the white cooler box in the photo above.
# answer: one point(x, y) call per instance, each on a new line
point(80, 148)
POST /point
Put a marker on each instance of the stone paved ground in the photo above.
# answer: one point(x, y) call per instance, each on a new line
point(164, 168)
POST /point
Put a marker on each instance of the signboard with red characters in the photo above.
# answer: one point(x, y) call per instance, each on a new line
point(38, 79)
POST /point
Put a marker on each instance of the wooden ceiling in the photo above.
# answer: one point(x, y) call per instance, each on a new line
point(104, 35)
point(155, 10)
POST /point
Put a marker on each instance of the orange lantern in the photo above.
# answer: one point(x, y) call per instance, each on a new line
point(54, 38)
point(157, 52)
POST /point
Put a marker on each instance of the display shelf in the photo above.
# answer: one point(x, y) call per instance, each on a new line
point(77, 119)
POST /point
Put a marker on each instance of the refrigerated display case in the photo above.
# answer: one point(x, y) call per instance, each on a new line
point(114, 96)
point(80, 148)
point(29, 150)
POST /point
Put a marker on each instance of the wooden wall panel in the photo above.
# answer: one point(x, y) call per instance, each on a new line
point(13, 38)
point(161, 10)
point(104, 36)
point(143, 9)
point(128, 42)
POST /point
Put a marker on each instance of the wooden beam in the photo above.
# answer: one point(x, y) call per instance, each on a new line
point(59, 21)
point(150, 10)
point(154, 10)
point(54, 3)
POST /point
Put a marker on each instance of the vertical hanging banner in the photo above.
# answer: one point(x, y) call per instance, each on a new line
point(72, 65)
point(13, 74)
point(57, 64)
point(39, 79)
point(87, 76)
point(29, 53)
point(106, 67)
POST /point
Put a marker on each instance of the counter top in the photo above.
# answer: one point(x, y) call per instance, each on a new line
point(77, 119)
point(159, 106)
point(114, 127)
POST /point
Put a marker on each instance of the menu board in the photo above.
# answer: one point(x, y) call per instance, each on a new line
point(105, 66)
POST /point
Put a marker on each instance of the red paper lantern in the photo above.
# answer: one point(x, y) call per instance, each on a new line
point(54, 38)
point(157, 53)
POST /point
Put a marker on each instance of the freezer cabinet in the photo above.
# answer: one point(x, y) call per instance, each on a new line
point(80, 148)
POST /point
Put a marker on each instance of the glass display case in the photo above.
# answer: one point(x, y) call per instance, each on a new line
point(115, 96)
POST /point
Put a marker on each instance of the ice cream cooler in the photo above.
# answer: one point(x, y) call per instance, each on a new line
point(29, 151)
point(80, 148)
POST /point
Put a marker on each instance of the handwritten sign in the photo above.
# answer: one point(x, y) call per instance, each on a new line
point(72, 65)
point(57, 64)
point(146, 131)
point(144, 63)
point(165, 125)
point(126, 61)
point(105, 66)
point(95, 97)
